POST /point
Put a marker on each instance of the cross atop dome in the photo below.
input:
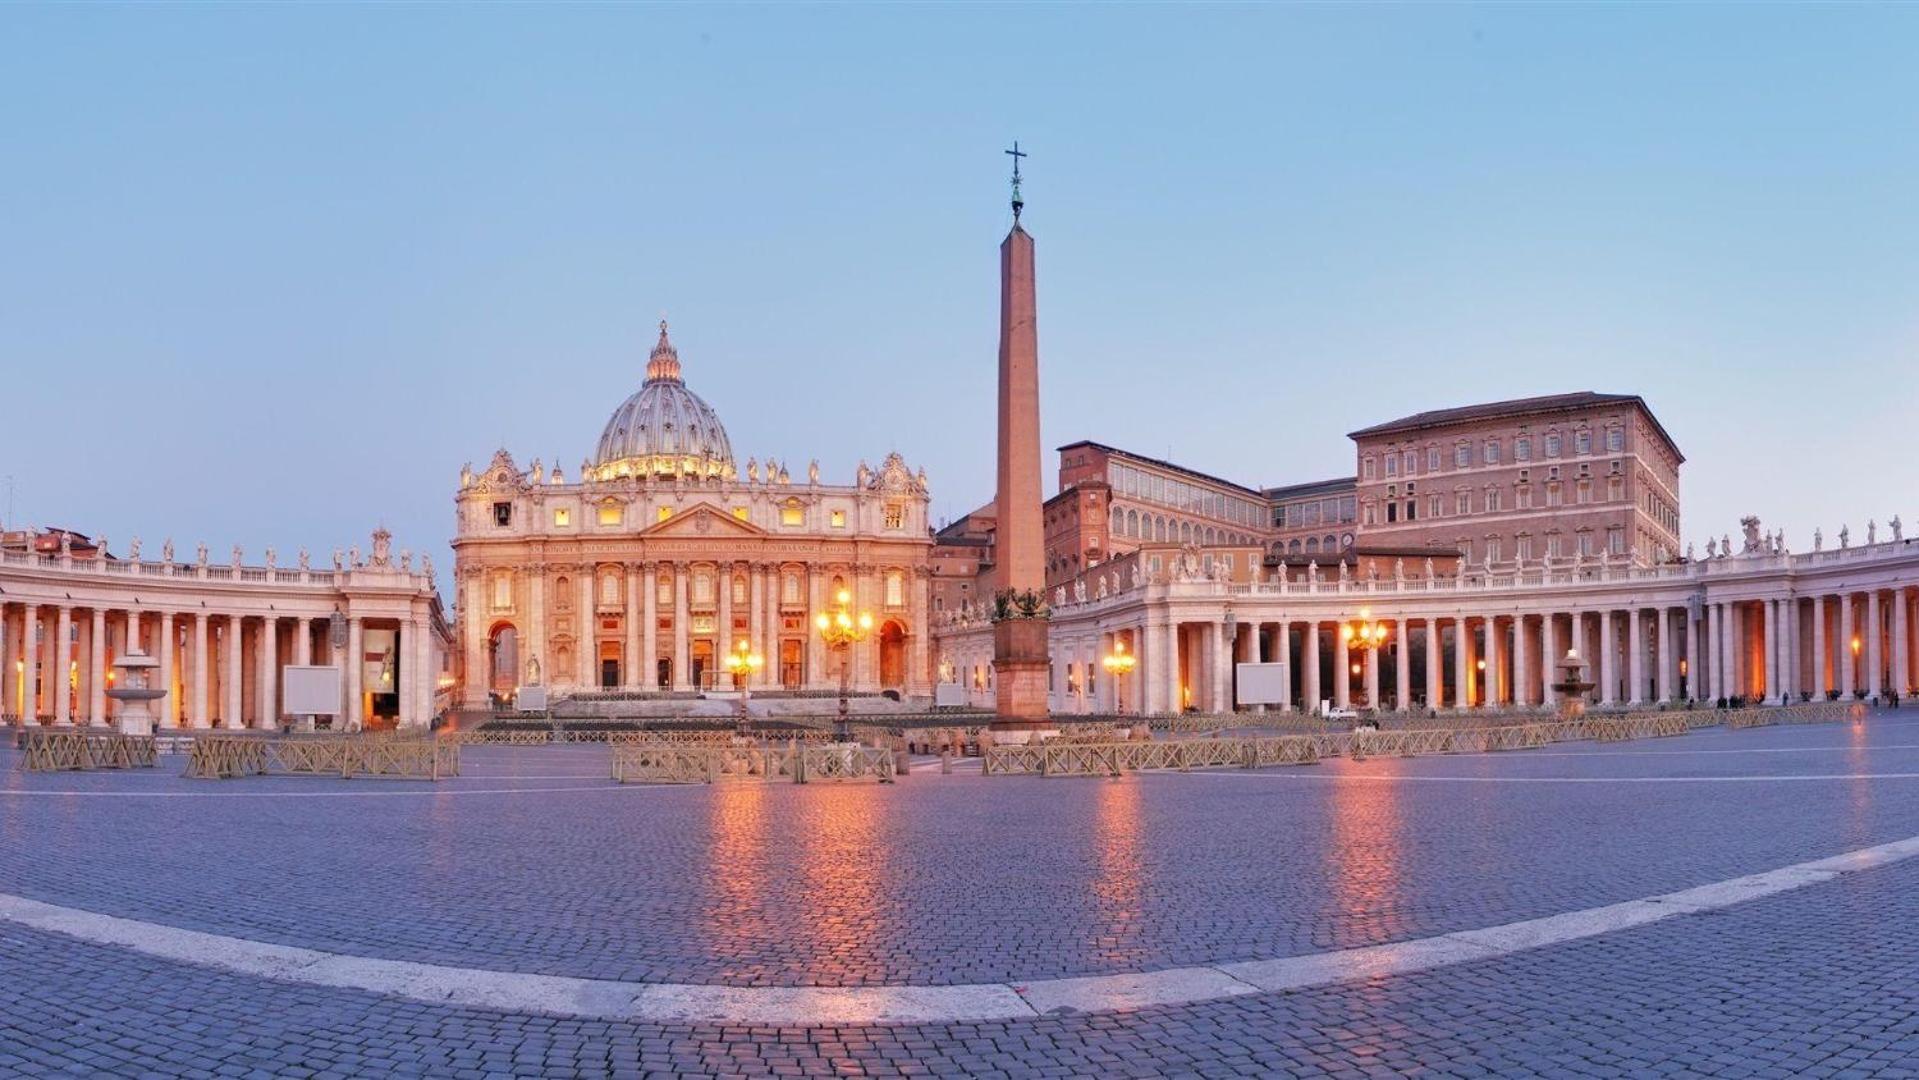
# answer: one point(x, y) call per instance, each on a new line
point(665, 361)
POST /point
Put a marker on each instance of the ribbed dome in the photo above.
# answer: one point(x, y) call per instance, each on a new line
point(664, 429)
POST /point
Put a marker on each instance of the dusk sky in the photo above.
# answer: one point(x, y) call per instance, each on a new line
point(269, 275)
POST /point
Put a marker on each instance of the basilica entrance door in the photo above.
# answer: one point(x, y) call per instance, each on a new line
point(702, 661)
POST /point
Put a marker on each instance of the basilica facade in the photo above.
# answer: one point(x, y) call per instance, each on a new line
point(643, 573)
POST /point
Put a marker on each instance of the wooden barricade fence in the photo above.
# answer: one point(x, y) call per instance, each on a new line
point(56, 750)
point(661, 762)
point(343, 756)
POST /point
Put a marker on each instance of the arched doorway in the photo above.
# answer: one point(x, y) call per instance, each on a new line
point(892, 655)
point(503, 659)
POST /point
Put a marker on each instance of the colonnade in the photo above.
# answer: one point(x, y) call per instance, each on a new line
point(220, 668)
point(1773, 647)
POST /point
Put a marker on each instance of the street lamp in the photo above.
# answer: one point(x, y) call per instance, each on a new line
point(1366, 635)
point(1117, 663)
point(841, 630)
point(744, 663)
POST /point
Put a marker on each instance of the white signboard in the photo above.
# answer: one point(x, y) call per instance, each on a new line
point(312, 690)
point(949, 695)
point(1261, 684)
point(530, 699)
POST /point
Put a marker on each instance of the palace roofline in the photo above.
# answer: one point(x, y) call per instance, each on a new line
point(1515, 407)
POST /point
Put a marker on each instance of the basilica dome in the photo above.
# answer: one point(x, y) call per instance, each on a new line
point(664, 429)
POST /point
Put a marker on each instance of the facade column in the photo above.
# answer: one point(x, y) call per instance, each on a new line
point(1875, 648)
point(755, 616)
point(8, 702)
point(723, 641)
point(1462, 666)
point(1848, 664)
point(270, 674)
point(774, 622)
point(61, 684)
point(1402, 640)
point(1176, 699)
point(1636, 656)
point(637, 664)
point(1663, 670)
point(352, 718)
point(1435, 687)
point(587, 633)
point(97, 669)
point(1342, 671)
point(202, 716)
point(1309, 669)
point(815, 675)
point(649, 653)
point(682, 654)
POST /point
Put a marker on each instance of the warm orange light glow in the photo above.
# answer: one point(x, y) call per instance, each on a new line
point(1856, 645)
point(843, 597)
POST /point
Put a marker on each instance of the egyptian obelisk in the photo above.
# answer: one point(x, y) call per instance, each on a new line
point(1020, 663)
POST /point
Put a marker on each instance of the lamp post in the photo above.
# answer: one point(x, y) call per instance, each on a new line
point(1117, 663)
point(1365, 635)
point(841, 630)
point(744, 663)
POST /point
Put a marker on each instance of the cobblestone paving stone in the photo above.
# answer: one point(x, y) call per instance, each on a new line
point(1822, 981)
point(940, 879)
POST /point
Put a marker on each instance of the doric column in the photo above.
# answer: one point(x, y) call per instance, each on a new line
point(167, 648)
point(8, 701)
point(1175, 701)
point(1435, 684)
point(1901, 643)
point(230, 650)
point(1342, 670)
point(1283, 647)
point(1549, 651)
point(353, 717)
point(1821, 668)
point(1663, 664)
point(649, 658)
point(1402, 639)
point(1608, 662)
point(1769, 612)
point(202, 716)
point(29, 689)
point(1309, 668)
point(1875, 647)
point(1462, 665)
point(1522, 664)
point(1848, 664)
point(303, 645)
point(424, 678)
point(1636, 656)
point(1372, 678)
point(682, 663)
point(636, 664)
point(61, 684)
point(1150, 683)
point(1494, 692)
point(97, 669)
point(269, 673)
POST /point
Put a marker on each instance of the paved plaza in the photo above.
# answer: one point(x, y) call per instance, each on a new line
point(1350, 918)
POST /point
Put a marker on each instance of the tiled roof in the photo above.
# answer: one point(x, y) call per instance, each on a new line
point(1163, 464)
point(1317, 487)
point(1532, 406)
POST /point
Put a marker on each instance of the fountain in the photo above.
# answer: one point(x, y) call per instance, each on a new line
point(1572, 686)
point(131, 691)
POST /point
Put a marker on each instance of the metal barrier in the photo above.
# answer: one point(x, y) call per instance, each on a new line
point(663, 762)
point(59, 751)
point(343, 756)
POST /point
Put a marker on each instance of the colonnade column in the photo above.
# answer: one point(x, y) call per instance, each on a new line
point(1462, 667)
point(1663, 669)
point(1402, 640)
point(1283, 649)
point(1342, 673)
point(201, 717)
point(1821, 671)
point(1847, 666)
point(30, 664)
point(1309, 669)
point(1548, 656)
point(1901, 642)
point(7, 700)
point(1769, 614)
point(270, 674)
point(1435, 688)
point(1608, 663)
point(169, 706)
point(355, 666)
point(230, 652)
point(97, 669)
point(426, 682)
point(1493, 685)
point(1635, 656)
point(1875, 647)
point(60, 685)
point(1522, 663)
point(1372, 678)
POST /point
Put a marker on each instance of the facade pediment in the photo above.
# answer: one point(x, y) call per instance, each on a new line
point(703, 522)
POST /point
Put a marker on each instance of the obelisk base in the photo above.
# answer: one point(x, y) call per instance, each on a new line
point(1021, 669)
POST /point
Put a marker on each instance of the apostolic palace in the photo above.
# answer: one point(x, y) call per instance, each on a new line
point(1477, 557)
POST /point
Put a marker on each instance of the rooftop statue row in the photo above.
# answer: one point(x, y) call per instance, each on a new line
point(503, 475)
point(380, 558)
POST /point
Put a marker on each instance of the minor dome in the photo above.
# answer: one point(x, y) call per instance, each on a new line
point(664, 429)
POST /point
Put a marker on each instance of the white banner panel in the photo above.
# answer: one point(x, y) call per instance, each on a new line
point(1261, 684)
point(311, 690)
point(948, 695)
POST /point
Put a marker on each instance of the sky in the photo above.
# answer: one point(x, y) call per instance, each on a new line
point(269, 274)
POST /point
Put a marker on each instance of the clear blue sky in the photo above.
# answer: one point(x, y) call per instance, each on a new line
point(270, 274)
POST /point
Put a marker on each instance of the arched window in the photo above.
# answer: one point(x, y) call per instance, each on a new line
point(1312, 545)
point(702, 586)
point(1185, 532)
point(609, 588)
point(790, 587)
point(1159, 529)
point(739, 589)
point(663, 589)
point(1330, 544)
point(1293, 548)
point(1132, 523)
point(562, 595)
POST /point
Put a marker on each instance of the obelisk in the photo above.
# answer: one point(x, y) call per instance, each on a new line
point(1020, 665)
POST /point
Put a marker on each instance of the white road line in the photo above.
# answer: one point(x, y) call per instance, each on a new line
point(424, 793)
point(1398, 778)
point(603, 999)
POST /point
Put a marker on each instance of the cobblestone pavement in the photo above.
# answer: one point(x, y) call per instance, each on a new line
point(532, 862)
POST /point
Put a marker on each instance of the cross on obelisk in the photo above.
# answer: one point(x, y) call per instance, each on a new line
point(1018, 203)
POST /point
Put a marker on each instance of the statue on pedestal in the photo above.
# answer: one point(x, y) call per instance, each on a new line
point(272, 557)
point(1872, 532)
point(133, 549)
point(1845, 536)
point(1818, 539)
point(1136, 573)
point(813, 471)
point(305, 559)
point(166, 550)
point(1898, 530)
point(200, 554)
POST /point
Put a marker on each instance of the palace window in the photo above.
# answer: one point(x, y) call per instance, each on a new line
point(1463, 503)
point(1583, 441)
point(1523, 547)
point(1368, 513)
point(1432, 506)
point(1523, 497)
point(1432, 459)
point(1412, 509)
point(502, 514)
point(1585, 492)
point(1616, 540)
point(1412, 462)
point(1585, 543)
point(562, 517)
point(1392, 464)
point(1552, 444)
point(1493, 552)
point(894, 516)
point(612, 513)
point(1366, 468)
point(1616, 489)
point(1492, 452)
point(792, 513)
point(1462, 456)
point(1615, 439)
point(1492, 500)
point(1552, 494)
point(837, 519)
point(1523, 448)
point(1555, 546)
